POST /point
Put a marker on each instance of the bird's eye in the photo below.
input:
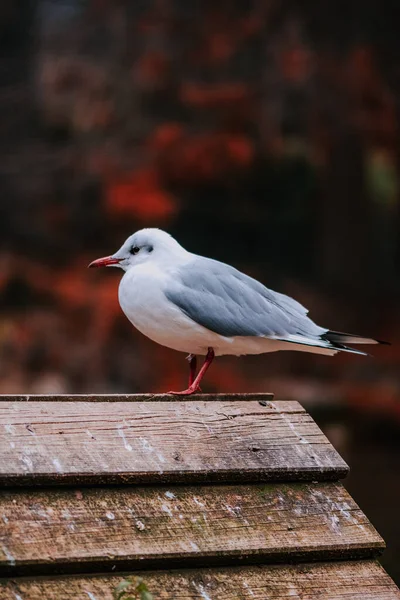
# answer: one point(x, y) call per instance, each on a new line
point(134, 250)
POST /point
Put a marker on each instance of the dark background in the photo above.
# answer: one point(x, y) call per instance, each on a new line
point(262, 133)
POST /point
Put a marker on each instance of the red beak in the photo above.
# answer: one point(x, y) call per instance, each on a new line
point(104, 262)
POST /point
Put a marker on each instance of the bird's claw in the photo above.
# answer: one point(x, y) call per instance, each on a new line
point(191, 390)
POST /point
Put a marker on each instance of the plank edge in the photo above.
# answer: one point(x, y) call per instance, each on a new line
point(259, 397)
point(80, 566)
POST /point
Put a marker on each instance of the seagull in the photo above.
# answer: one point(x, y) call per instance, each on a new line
point(198, 305)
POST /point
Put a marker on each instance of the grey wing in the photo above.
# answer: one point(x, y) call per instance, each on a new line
point(231, 304)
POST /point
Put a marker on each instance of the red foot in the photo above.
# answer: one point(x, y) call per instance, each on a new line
point(194, 386)
point(193, 364)
point(191, 390)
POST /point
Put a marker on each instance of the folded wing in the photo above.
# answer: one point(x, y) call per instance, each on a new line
point(227, 302)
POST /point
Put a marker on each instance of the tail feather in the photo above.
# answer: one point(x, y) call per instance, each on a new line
point(330, 342)
point(318, 345)
point(340, 338)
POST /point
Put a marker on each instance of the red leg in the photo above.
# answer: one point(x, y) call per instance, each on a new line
point(193, 365)
point(195, 386)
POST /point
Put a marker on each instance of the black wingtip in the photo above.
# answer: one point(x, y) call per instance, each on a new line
point(348, 338)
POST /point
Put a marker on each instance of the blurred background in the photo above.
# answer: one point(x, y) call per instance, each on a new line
point(264, 133)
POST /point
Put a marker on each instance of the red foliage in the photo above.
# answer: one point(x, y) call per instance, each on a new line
point(221, 95)
point(206, 157)
point(296, 64)
point(150, 69)
point(140, 195)
point(165, 137)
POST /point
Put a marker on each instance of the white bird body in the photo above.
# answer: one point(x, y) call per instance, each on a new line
point(201, 306)
point(142, 298)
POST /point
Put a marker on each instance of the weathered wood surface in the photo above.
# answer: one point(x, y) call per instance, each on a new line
point(358, 580)
point(63, 530)
point(260, 397)
point(150, 442)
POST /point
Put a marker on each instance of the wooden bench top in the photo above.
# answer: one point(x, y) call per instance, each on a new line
point(353, 580)
point(75, 441)
point(100, 528)
point(228, 497)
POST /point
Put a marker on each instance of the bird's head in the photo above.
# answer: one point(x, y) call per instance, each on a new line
point(143, 246)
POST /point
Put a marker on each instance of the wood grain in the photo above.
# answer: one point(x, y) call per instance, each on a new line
point(358, 580)
point(63, 530)
point(260, 397)
point(52, 442)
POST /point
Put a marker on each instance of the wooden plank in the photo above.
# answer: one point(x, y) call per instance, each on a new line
point(260, 397)
point(358, 580)
point(151, 442)
point(91, 529)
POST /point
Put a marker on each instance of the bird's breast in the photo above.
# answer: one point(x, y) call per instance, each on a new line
point(143, 301)
point(141, 297)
